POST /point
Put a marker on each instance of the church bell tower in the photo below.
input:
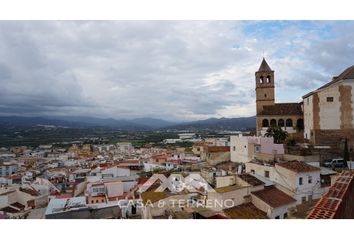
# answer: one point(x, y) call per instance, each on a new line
point(264, 86)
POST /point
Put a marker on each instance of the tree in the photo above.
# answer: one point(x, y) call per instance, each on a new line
point(277, 133)
point(346, 153)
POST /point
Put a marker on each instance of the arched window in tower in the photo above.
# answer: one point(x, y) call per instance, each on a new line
point(281, 122)
point(261, 79)
point(265, 123)
point(273, 123)
point(265, 95)
point(268, 79)
point(289, 122)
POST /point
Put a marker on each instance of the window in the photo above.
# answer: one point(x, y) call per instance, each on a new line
point(329, 99)
point(308, 101)
point(265, 123)
point(300, 181)
point(234, 148)
point(289, 122)
point(257, 148)
point(273, 123)
point(268, 79)
point(261, 80)
point(310, 179)
point(252, 171)
point(281, 123)
point(303, 199)
point(285, 215)
point(266, 174)
point(300, 124)
point(277, 217)
point(265, 95)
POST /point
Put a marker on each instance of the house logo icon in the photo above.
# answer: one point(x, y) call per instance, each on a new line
point(176, 183)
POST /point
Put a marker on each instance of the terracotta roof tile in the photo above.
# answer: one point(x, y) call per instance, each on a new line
point(298, 167)
point(282, 109)
point(217, 149)
point(328, 205)
point(245, 211)
point(252, 180)
point(273, 197)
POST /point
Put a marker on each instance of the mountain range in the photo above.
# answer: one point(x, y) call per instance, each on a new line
point(132, 124)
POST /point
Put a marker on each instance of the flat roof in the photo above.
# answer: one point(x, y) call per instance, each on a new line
point(65, 204)
point(228, 188)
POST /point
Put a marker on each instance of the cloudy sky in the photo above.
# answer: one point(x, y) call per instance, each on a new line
point(174, 70)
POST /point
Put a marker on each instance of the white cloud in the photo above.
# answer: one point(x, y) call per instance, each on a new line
point(167, 69)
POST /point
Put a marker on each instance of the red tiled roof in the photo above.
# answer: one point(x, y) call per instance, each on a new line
point(328, 205)
point(282, 109)
point(252, 180)
point(30, 191)
point(298, 167)
point(274, 197)
point(142, 180)
point(245, 211)
point(217, 149)
point(177, 162)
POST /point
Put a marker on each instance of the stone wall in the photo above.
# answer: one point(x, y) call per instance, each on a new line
point(334, 138)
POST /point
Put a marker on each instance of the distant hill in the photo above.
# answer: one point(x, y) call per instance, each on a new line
point(133, 124)
point(73, 122)
point(242, 123)
point(153, 122)
point(31, 121)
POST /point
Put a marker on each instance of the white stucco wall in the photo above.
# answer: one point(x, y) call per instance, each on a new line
point(270, 211)
point(224, 181)
point(117, 172)
point(329, 111)
point(288, 181)
point(128, 185)
point(239, 149)
point(308, 116)
point(114, 189)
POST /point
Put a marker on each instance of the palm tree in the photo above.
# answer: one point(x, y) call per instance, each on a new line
point(277, 133)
